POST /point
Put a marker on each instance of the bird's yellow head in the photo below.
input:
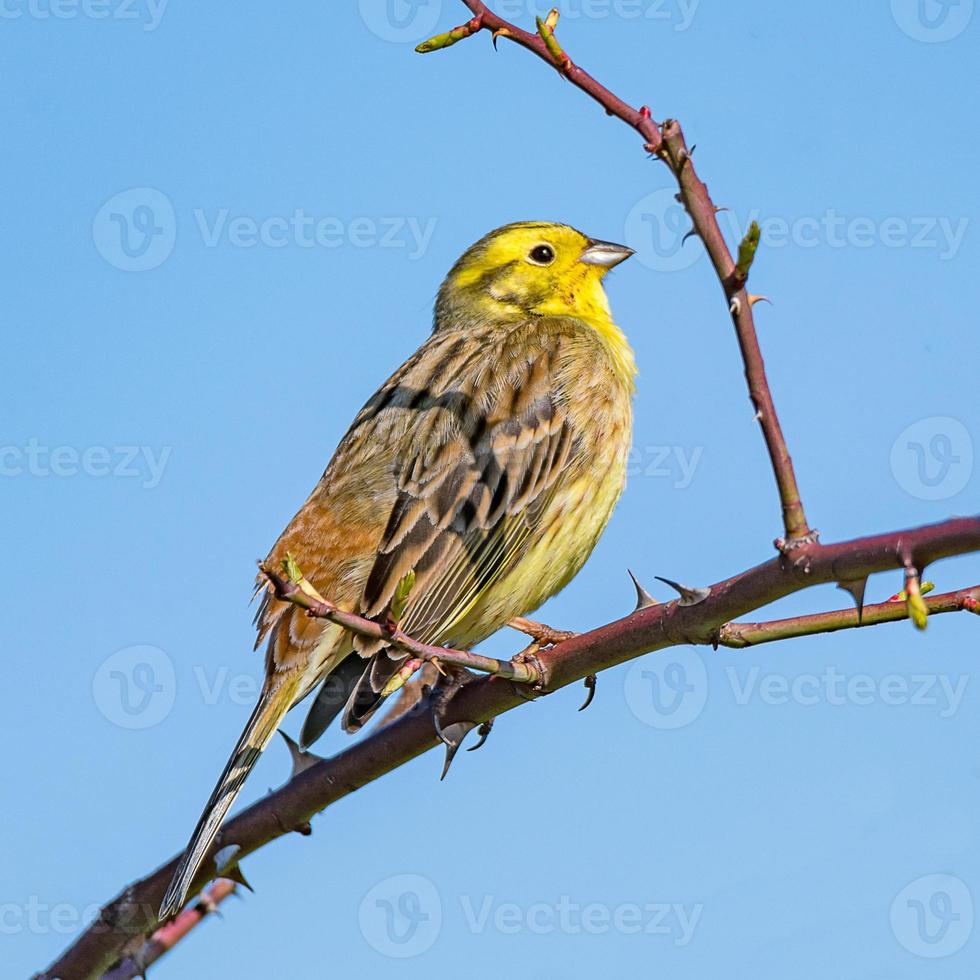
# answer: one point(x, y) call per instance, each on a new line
point(531, 268)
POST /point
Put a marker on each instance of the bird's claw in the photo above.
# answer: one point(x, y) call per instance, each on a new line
point(484, 732)
point(590, 684)
point(440, 694)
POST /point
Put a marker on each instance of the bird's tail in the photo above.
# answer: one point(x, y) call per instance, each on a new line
point(275, 700)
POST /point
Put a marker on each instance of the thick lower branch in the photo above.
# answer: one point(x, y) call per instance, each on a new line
point(133, 912)
point(166, 937)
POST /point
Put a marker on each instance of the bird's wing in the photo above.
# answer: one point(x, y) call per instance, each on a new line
point(468, 505)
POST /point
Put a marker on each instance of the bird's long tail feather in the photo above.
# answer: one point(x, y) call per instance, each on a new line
point(273, 704)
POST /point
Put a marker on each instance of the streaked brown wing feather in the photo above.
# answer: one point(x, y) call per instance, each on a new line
point(467, 508)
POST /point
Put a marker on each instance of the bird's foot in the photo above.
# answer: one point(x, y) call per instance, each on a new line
point(542, 634)
point(439, 695)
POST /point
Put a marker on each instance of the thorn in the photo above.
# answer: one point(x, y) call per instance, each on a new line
point(452, 737)
point(304, 829)
point(226, 862)
point(484, 732)
point(855, 587)
point(235, 875)
point(590, 684)
point(500, 32)
point(758, 299)
point(301, 761)
point(688, 596)
point(718, 210)
point(690, 234)
point(643, 598)
point(690, 152)
point(758, 415)
point(735, 307)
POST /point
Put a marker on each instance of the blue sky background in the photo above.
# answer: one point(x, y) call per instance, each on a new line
point(172, 392)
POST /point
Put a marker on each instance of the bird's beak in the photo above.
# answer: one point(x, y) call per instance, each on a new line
point(605, 254)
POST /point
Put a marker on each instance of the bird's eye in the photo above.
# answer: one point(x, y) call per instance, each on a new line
point(542, 255)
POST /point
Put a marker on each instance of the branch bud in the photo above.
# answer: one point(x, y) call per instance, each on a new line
point(747, 249)
point(546, 29)
point(449, 38)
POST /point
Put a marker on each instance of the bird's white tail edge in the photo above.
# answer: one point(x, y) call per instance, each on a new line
point(272, 706)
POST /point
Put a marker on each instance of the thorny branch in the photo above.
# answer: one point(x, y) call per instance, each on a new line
point(148, 951)
point(317, 783)
point(126, 932)
point(666, 141)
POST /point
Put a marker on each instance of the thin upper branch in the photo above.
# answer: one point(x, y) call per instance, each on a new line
point(739, 635)
point(666, 141)
point(301, 593)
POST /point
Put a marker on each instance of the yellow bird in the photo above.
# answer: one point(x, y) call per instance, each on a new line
point(489, 464)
